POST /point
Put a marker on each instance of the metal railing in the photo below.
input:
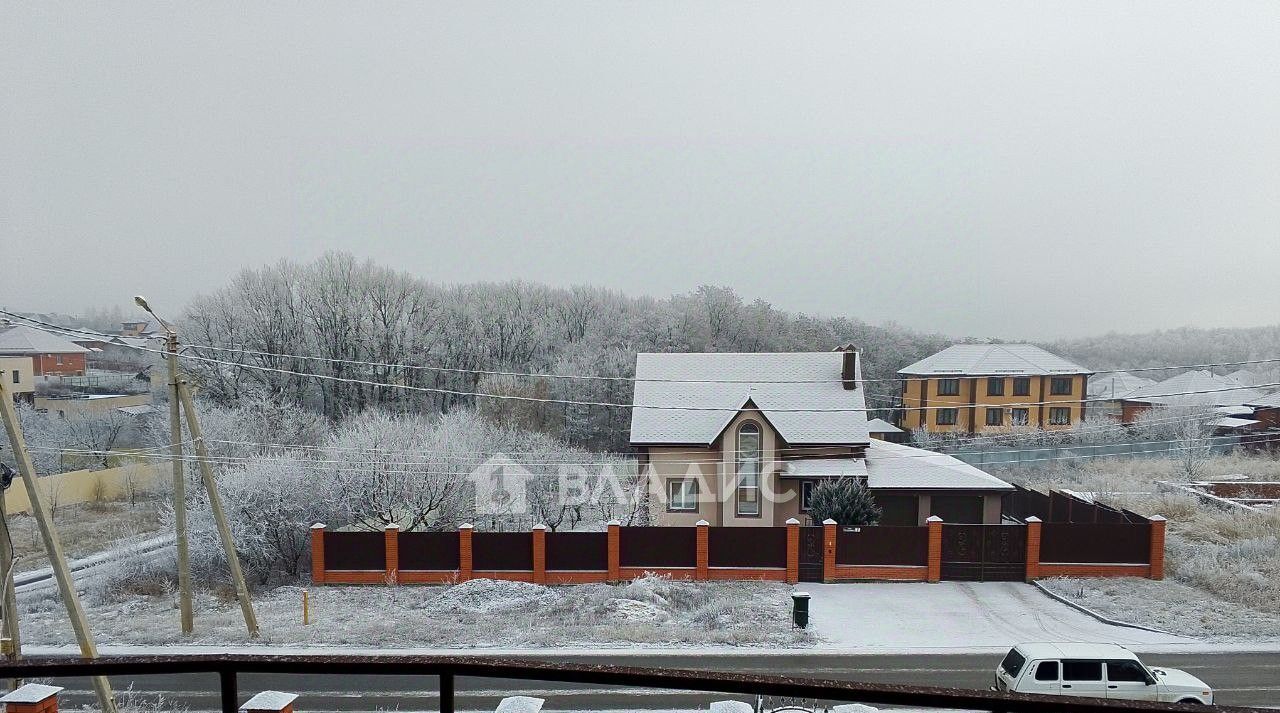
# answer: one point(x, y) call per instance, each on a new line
point(448, 668)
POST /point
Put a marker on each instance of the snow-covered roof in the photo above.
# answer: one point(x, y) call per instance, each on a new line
point(31, 693)
point(1195, 388)
point(893, 465)
point(825, 468)
point(1115, 384)
point(812, 406)
point(269, 701)
point(1271, 400)
point(1232, 422)
point(1073, 650)
point(993, 359)
point(879, 425)
point(22, 339)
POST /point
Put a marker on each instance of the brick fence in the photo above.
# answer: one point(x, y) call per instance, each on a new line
point(910, 554)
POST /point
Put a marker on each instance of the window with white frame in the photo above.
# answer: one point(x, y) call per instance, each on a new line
point(682, 495)
point(748, 490)
point(1059, 416)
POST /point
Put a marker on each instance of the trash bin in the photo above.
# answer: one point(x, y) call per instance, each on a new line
point(800, 609)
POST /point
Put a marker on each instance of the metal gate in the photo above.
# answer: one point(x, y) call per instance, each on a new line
point(811, 554)
point(984, 553)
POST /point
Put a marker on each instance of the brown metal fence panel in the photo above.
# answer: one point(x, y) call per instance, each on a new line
point(427, 551)
point(1096, 543)
point(577, 551)
point(355, 551)
point(884, 545)
point(504, 551)
point(658, 547)
point(984, 553)
point(747, 547)
point(1059, 507)
point(1023, 503)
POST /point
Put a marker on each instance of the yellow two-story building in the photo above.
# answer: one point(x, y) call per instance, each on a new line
point(986, 388)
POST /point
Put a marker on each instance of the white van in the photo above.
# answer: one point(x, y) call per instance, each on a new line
point(1097, 670)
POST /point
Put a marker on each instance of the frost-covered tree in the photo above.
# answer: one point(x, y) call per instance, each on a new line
point(845, 500)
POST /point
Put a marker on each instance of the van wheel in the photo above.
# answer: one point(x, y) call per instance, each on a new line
point(1191, 700)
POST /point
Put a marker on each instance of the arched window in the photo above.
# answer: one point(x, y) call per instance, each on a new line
point(748, 488)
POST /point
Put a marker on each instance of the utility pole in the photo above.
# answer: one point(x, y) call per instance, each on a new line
point(13, 638)
point(215, 504)
point(179, 483)
point(53, 547)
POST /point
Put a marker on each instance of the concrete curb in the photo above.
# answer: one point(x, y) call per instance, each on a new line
point(1113, 622)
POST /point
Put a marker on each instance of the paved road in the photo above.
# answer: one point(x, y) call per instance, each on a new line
point(1240, 678)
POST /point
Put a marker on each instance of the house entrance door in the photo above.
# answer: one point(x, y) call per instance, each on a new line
point(811, 554)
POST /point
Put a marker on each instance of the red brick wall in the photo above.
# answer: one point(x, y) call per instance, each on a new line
point(1094, 570)
point(47, 364)
point(867, 572)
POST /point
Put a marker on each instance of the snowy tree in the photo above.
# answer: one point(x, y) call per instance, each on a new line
point(845, 500)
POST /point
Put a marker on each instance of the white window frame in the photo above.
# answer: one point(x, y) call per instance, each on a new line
point(682, 495)
point(748, 471)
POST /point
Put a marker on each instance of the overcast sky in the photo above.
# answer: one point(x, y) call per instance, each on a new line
point(1020, 170)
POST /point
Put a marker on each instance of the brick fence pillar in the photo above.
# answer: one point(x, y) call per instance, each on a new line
point(829, 550)
point(793, 550)
point(1033, 548)
point(1157, 547)
point(703, 551)
point(317, 553)
point(391, 535)
point(935, 548)
point(539, 554)
point(270, 702)
point(464, 551)
point(615, 551)
point(32, 698)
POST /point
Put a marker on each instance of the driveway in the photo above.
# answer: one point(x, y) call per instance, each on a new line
point(881, 616)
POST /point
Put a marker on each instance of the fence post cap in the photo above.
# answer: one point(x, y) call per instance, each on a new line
point(1033, 518)
point(466, 526)
point(829, 521)
point(391, 526)
point(539, 527)
point(933, 518)
point(792, 521)
point(319, 526)
point(31, 693)
point(702, 523)
point(1157, 518)
point(614, 523)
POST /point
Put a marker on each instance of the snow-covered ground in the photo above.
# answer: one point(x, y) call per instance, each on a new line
point(1170, 606)
point(883, 616)
point(650, 611)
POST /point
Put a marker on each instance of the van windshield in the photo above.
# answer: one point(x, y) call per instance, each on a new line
point(1013, 662)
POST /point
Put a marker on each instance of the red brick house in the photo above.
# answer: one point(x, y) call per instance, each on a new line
point(50, 354)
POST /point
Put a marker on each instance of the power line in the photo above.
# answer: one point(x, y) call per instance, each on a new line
point(593, 377)
point(609, 404)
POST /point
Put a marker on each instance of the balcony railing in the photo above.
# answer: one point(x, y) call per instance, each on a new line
point(448, 668)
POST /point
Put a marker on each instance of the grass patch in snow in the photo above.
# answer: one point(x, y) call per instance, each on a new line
point(479, 613)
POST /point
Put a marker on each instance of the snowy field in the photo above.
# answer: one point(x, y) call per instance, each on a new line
point(651, 611)
point(1170, 606)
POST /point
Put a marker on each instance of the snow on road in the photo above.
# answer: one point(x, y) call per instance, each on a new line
point(884, 616)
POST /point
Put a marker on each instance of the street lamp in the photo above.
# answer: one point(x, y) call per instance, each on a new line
point(179, 483)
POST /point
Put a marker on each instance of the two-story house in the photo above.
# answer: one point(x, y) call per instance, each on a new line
point(742, 439)
point(982, 388)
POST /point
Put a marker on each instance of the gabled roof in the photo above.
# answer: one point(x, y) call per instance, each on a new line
point(1210, 390)
point(1115, 384)
point(993, 359)
point(879, 425)
point(698, 394)
point(21, 339)
point(893, 465)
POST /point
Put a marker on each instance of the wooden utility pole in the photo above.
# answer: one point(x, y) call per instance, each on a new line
point(179, 485)
point(53, 547)
point(215, 504)
point(13, 649)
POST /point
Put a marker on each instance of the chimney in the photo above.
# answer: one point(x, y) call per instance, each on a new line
point(270, 702)
point(849, 368)
point(32, 698)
